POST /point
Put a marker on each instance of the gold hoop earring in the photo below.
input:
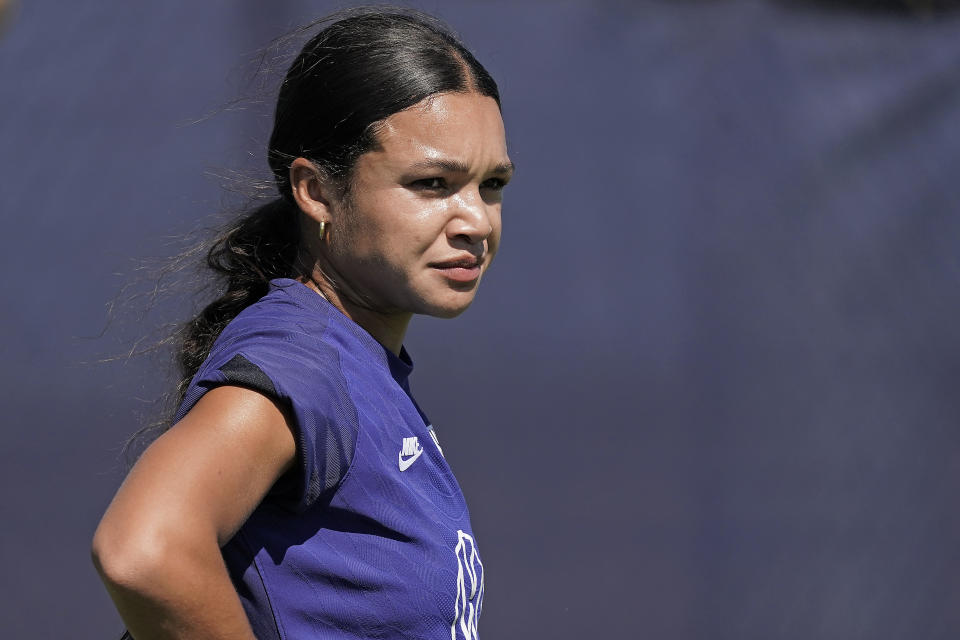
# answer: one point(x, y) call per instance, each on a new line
point(323, 229)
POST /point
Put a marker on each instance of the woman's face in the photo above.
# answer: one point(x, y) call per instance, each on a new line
point(421, 221)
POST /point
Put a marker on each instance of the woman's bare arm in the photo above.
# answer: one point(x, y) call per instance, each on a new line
point(158, 545)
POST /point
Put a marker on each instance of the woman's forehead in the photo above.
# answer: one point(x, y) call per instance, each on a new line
point(462, 127)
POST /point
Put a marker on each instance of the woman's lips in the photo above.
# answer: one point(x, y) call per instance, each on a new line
point(461, 274)
point(460, 270)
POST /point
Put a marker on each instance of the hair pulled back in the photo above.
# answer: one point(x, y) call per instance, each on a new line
point(362, 67)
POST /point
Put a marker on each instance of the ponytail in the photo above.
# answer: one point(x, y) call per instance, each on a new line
point(249, 253)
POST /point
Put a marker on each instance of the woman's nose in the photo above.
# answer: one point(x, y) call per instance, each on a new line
point(471, 219)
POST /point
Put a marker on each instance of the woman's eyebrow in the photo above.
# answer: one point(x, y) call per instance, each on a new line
point(455, 166)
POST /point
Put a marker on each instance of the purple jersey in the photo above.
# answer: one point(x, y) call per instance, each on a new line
point(369, 535)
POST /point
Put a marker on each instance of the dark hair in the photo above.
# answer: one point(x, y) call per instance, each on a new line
point(363, 66)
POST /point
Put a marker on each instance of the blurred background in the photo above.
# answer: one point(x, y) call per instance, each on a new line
point(710, 388)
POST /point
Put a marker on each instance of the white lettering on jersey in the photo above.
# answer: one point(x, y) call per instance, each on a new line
point(469, 599)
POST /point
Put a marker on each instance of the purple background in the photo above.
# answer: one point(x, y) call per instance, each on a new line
point(709, 390)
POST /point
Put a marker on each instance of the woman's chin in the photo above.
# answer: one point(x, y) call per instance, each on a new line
point(451, 306)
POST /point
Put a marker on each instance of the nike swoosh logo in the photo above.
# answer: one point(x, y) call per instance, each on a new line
point(405, 464)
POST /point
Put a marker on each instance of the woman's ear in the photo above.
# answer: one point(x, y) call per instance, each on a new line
point(310, 190)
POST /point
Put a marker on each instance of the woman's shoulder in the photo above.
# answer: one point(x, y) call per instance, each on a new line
point(285, 316)
point(282, 333)
point(288, 306)
point(276, 346)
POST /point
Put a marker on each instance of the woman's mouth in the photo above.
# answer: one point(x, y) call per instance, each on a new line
point(461, 270)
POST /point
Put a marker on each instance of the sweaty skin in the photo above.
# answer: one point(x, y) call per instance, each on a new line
point(426, 199)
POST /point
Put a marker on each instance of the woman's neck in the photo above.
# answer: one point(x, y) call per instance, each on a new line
point(387, 329)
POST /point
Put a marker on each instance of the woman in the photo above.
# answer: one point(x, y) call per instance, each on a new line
point(301, 493)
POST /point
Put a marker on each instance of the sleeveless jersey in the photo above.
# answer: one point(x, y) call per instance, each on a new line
point(369, 535)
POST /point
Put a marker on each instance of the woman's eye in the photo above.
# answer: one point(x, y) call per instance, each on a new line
point(431, 184)
point(494, 183)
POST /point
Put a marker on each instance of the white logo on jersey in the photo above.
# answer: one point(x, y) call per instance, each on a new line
point(469, 599)
point(409, 453)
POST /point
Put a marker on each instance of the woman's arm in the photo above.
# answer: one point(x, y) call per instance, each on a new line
point(158, 545)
